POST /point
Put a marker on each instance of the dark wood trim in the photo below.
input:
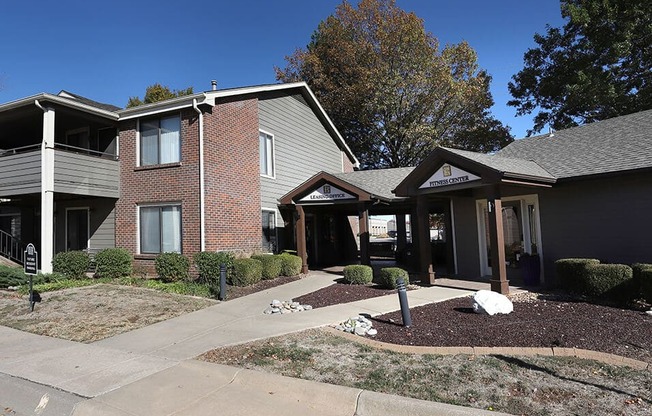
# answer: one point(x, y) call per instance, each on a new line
point(363, 227)
point(499, 282)
point(422, 231)
point(319, 179)
point(301, 239)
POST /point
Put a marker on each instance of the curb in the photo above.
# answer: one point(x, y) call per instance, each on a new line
point(602, 357)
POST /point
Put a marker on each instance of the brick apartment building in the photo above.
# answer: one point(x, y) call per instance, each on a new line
point(197, 173)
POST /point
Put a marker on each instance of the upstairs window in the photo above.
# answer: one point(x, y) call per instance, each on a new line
point(160, 141)
point(266, 154)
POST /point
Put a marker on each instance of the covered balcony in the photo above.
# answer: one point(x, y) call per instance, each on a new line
point(57, 152)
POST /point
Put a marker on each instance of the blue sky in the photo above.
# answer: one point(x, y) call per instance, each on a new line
point(111, 50)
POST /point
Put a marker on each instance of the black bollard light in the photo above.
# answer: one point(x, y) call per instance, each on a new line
point(402, 298)
point(222, 294)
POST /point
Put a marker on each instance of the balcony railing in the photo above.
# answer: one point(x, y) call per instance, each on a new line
point(11, 248)
point(68, 148)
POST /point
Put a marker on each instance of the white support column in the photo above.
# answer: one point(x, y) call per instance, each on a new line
point(47, 192)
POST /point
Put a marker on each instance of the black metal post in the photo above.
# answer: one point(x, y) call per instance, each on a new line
point(402, 298)
point(222, 295)
point(31, 294)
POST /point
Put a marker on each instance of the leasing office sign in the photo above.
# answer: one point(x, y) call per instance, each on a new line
point(448, 175)
point(326, 193)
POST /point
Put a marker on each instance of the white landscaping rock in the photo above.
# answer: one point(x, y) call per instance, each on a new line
point(278, 307)
point(491, 303)
point(358, 325)
point(649, 312)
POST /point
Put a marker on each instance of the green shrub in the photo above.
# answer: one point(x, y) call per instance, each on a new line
point(390, 275)
point(246, 272)
point(12, 276)
point(645, 284)
point(638, 269)
point(571, 273)
point(609, 280)
point(172, 267)
point(272, 265)
point(113, 263)
point(290, 264)
point(208, 265)
point(358, 274)
point(72, 264)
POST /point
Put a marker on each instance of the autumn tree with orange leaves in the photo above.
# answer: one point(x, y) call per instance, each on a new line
point(391, 90)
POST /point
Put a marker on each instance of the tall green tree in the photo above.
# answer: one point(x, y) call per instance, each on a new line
point(157, 92)
point(390, 89)
point(597, 66)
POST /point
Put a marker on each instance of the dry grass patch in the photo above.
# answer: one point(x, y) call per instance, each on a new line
point(516, 385)
point(88, 314)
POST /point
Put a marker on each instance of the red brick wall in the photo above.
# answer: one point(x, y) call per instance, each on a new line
point(162, 183)
point(231, 148)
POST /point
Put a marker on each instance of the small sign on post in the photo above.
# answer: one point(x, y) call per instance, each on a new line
point(31, 268)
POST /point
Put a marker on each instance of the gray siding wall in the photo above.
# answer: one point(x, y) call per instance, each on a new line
point(102, 222)
point(607, 219)
point(466, 237)
point(303, 147)
point(20, 174)
point(86, 175)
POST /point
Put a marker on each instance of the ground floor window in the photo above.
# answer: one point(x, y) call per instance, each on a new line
point(269, 231)
point(160, 229)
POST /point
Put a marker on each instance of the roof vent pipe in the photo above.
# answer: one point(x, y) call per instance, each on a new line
point(214, 85)
point(551, 132)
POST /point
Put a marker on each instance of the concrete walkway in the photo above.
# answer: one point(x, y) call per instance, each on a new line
point(151, 371)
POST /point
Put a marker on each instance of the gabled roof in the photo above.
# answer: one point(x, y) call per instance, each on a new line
point(88, 101)
point(379, 182)
point(615, 145)
point(210, 97)
point(65, 101)
point(508, 166)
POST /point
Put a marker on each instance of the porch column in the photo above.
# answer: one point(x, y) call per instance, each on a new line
point(401, 234)
point(363, 229)
point(301, 239)
point(499, 282)
point(448, 229)
point(422, 229)
point(47, 192)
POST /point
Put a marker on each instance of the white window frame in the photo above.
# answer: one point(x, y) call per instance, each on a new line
point(272, 210)
point(273, 155)
point(524, 200)
point(157, 205)
point(139, 139)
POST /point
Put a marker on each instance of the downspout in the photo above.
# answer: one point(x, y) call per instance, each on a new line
point(202, 231)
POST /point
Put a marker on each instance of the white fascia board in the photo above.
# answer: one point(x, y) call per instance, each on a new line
point(280, 87)
point(68, 102)
point(164, 106)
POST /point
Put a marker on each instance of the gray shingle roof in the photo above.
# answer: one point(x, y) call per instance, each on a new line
point(511, 166)
point(379, 182)
point(88, 101)
point(617, 144)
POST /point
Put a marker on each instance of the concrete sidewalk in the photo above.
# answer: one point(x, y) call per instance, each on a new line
point(149, 371)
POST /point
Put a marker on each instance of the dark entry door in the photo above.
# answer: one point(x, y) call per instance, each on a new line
point(77, 229)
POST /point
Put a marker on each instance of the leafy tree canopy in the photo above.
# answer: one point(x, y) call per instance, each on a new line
point(157, 92)
point(389, 88)
point(597, 66)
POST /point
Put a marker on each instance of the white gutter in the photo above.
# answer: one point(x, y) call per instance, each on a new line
point(202, 228)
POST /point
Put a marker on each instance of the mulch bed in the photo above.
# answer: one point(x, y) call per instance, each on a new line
point(548, 320)
point(534, 323)
point(341, 293)
point(233, 292)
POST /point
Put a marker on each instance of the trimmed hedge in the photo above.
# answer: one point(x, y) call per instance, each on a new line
point(389, 277)
point(113, 263)
point(643, 280)
point(572, 273)
point(72, 264)
point(609, 280)
point(358, 274)
point(172, 267)
point(208, 265)
point(272, 265)
point(290, 264)
point(246, 272)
